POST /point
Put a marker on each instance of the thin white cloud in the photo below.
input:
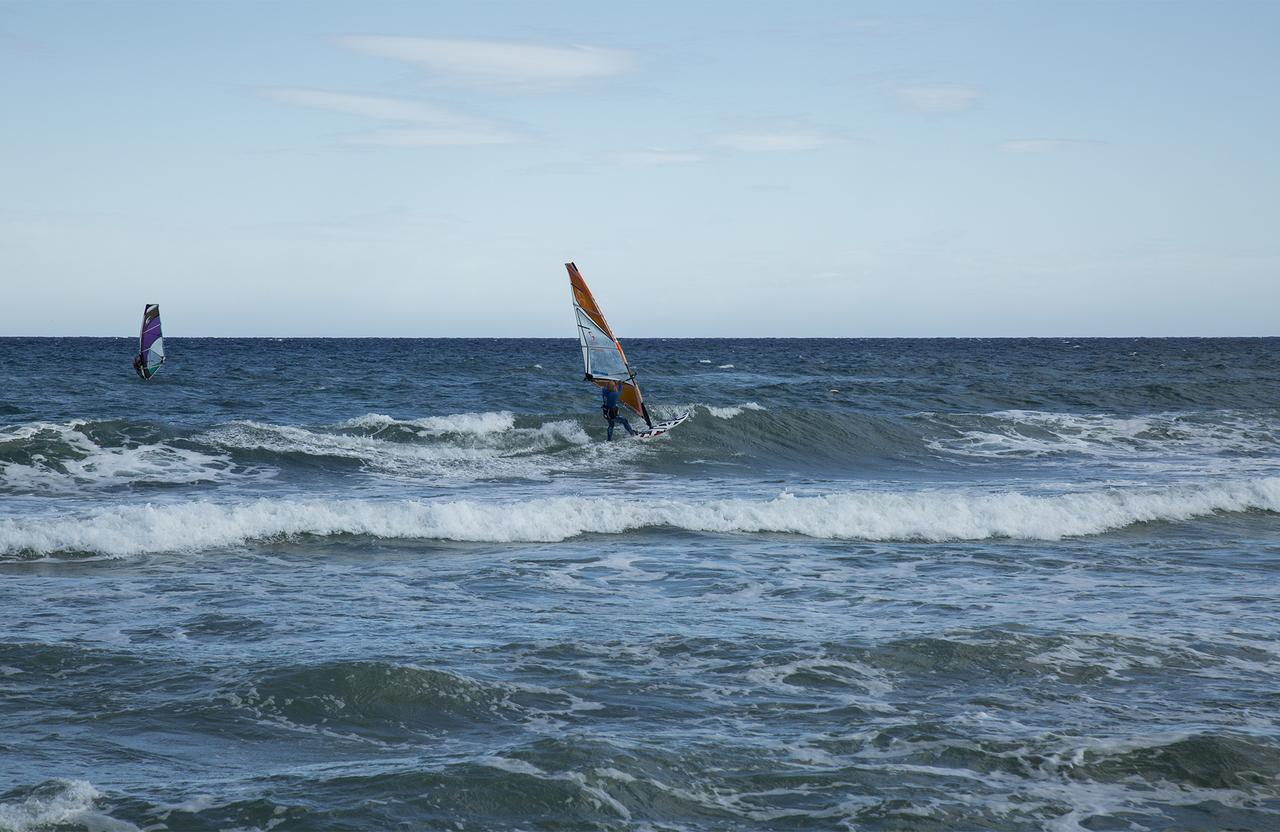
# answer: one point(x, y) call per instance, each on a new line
point(434, 137)
point(774, 141)
point(497, 63)
point(660, 157)
point(944, 99)
point(370, 106)
point(1040, 145)
point(418, 124)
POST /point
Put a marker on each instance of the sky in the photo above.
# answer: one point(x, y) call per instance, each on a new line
point(748, 169)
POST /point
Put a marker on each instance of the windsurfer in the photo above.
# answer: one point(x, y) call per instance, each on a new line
point(137, 365)
point(609, 405)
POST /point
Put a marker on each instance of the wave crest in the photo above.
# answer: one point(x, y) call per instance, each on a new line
point(58, 804)
point(1031, 434)
point(465, 446)
point(933, 516)
point(478, 424)
point(43, 457)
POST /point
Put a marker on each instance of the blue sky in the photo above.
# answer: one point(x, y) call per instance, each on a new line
point(715, 169)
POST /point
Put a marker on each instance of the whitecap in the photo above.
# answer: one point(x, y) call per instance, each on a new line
point(80, 462)
point(463, 446)
point(732, 410)
point(473, 423)
point(932, 516)
point(60, 803)
point(1159, 440)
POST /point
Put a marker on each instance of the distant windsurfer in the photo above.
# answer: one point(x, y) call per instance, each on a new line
point(609, 405)
point(137, 366)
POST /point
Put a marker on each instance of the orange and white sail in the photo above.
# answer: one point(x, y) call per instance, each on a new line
point(603, 359)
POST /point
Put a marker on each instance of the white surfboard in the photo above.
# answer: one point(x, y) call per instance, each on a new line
point(660, 428)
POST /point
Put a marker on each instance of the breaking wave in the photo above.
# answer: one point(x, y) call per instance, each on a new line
point(1030, 434)
point(732, 410)
point(670, 411)
point(58, 804)
point(478, 424)
point(70, 458)
point(462, 446)
point(932, 516)
point(43, 457)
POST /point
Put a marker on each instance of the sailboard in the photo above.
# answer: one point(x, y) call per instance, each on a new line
point(604, 360)
point(150, 343)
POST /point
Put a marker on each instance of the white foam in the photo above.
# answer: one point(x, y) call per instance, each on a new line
point(844, 673)
point(1165, 440)
point(725, 366)
point(57, 804)
point(465, 446)
point(1047, 791)
point(473, 423)
point(671, 411)
point(732, 410)
point(566, 431)
point(250, 435)
point(862, 515)
point(597, 795)
point(83, 463)
point(511, 765)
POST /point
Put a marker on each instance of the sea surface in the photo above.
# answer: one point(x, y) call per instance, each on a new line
point(871, 585)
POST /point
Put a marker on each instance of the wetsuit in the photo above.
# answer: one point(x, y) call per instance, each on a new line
point(610, 409)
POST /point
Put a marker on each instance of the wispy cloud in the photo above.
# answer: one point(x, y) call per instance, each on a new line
point(435, 137)
point(660, 157)
point(943, 99)
point(370, 106)
point(417, 124)
point(1041, 145)
point(497, 63)
point(776, 140)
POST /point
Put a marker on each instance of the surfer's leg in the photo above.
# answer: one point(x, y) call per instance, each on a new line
point(626, 425)
point(610, 437)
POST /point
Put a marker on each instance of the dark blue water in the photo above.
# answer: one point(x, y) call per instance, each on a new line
point(874, 585)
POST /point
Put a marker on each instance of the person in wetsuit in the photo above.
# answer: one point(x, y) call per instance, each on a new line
point(137, 366)
point(609, 405)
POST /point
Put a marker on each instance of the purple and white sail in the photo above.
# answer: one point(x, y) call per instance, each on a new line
point(151, 343)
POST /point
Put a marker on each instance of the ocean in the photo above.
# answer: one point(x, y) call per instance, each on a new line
point(326, 584)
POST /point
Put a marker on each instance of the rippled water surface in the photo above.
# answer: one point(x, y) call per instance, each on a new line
point(872, 585)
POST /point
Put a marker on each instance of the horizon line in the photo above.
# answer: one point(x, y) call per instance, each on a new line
point(665, 337)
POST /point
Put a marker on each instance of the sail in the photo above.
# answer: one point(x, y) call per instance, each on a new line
point(151, 342)
point(602, 357)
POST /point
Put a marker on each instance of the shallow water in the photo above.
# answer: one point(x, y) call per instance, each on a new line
point(328, 584)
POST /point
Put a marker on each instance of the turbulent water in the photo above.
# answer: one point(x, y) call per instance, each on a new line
point(872, 585)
